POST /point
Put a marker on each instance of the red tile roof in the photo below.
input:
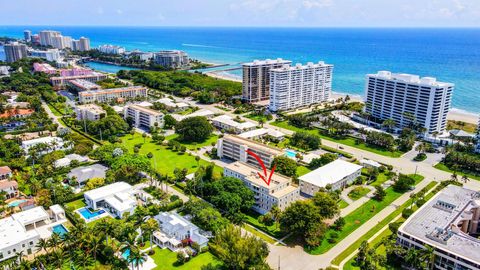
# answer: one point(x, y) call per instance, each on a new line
point(5, 170)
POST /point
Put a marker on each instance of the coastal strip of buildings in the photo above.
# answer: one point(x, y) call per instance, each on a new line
point(106, 95)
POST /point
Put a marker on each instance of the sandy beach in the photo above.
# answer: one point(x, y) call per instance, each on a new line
point(454, 114)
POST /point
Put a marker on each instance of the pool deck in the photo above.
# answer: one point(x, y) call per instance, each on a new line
point(106, 214)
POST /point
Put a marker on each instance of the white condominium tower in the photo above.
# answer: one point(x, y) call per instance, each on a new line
point(256, 78)
point(477, 148)
point(407, 98)
point(297, 86)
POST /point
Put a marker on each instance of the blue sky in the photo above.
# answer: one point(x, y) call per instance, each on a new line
point(311, 13)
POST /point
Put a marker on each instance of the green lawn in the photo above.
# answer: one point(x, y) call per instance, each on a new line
point(185, 112)
point(76, 204)
point(301, 170)
point(164, 160)
point(347, 141)
point(377, 228)
point(358, 193)
point(252, 219)
point(381, 178)
point(166, 260)
point(444, 168)
point(342, 204)
point(358, 217)
point(260, 235)
point(256, 117)
point(193, 146)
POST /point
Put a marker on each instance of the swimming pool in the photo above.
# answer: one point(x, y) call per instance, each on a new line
point(88, 215)
point(125, 255)
point(16, 203)
point(290, 153)
point(59, 229)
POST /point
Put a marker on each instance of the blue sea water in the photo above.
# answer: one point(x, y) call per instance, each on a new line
point(451, 55)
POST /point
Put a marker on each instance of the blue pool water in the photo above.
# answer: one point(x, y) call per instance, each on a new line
point(59, 229)
point(125, 255)
point(87, 214)
point(16, 203)
point(290, 153)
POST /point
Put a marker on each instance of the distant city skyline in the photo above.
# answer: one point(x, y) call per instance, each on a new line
point(261, 13)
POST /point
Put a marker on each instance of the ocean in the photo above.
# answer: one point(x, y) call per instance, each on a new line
point(450, 55)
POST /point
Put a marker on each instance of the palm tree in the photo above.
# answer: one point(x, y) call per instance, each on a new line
point(261, 121)
point(42, 244)
point(95, 245)
point(136, 258)
point(465, 178)
point(429, 256)
point(276, 213)
point(149, 227)
point(389, 124)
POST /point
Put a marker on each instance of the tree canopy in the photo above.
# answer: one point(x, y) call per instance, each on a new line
point(194, 129)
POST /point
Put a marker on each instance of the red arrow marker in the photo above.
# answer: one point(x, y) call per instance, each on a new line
point(260, 162)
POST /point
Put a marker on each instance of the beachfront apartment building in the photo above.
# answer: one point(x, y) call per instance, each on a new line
point(27, 35)
point(229, 124)
point(61, 81)
point(144, 118)
point(174, 229)
point(21, 231)
point(256, 78)
point(477, 137)
point(235, 148)
point(117, 198)
point(171, 59)
point(298, 86)
point(338, 174)
point(113, 94)
point(111, 49)
point(408, 100)
point(47, 37)
point(52, 55)
point(91, 112)
point(449, 223)
point(280, 192)
point(15, 51)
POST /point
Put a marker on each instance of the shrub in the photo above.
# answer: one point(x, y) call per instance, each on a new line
point(407, 212)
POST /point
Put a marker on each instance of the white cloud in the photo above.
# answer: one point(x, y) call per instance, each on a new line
point(317, 3)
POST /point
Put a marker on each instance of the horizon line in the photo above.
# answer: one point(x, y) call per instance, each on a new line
point(243, 26)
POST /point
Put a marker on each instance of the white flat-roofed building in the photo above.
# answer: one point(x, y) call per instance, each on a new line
point(367, 163)
point(51, 143)
point(117, 198)
point(298, 86)
point(280, 192)
point(174, 229)
point(111, 49)
point(61, 82)
point(21, 231)
point(52, 55)
point(171, 59)
point(408, 99)
point(256, 78)
point(227, 123)
point(107, 95)
point(202, 112)
point(83, 85)
point(262, 133)
point(91, 112)
point(64, 162)
point(172, 105)
point(143, 117)
point(449, 223)
point(235, 148)
point(338, 174)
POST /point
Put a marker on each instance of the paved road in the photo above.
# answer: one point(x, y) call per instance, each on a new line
point(51, 115)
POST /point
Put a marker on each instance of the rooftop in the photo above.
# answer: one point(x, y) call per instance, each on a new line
point(228, 120)
point(267, 62)
point(108, 190)
point(112, 90)
point(84, 84)
point(5, 170)
point(4, 184)
point(262, 132)
point(170, 103)
point(46, 140)
point(300, 66)
point(12, 232)
point(330, 173)
point(253, 144)
point(435, 223)
point(91, 107)
point(145, 110)
point(85, 173)
point(410, 79)
point(31, 215)
point(251, 173)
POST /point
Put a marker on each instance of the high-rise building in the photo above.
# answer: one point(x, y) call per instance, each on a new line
point(84, 44)
point(47, 37)
point(477, 148)
point(67, 41)
point(171, 59)
point(36, 39)
point(52, 55)
point(256, 78)
point(27, 35)
point(409, 100)
point(298, 86)
point(15, 51)
point(448, 223)
point(111, 49)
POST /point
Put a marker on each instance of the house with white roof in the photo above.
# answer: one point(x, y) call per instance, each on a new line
point(21, 231)
point(263, 133)
point(227, 123)
point(338, 174)
point(173, 106)
point(203, 112)
point(175, 230)
point(117, 198)
point(64, 162)
point(51, 144)
point(367, 163)
point(85, 173)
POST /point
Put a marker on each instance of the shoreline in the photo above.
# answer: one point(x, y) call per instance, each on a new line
point(454, 113)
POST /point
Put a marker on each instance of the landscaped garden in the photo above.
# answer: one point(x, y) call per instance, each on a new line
point(192, 145)
point(167, 260)
point(358, 192)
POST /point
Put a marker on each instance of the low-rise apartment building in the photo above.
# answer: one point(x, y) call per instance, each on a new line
point(227, 123)
point(91, 112)
point(449, 223)
point(235, 148)
point(338, 174)
point(142, 117)
point(113, 94)
point(61, 82)
point(280, 192)
point(80, 85)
